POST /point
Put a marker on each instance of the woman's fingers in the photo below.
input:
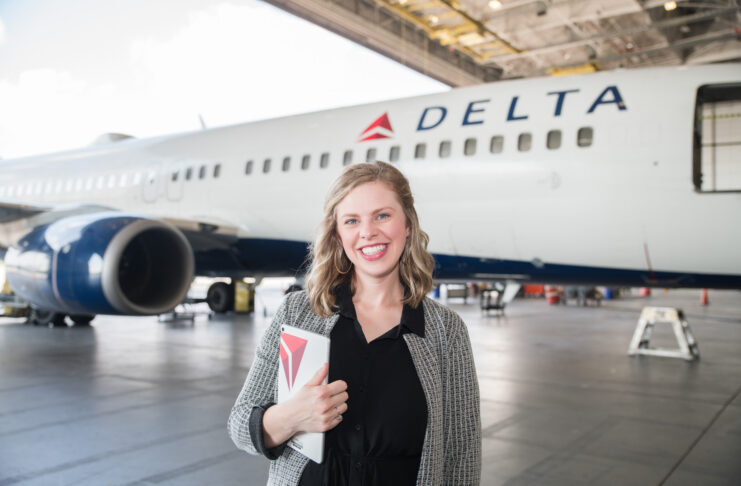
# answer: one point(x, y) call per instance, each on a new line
point(319, 376)
point(338, 399)
point(336, 387)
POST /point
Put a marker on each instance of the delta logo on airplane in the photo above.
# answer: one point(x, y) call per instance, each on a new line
point(433, 116)
point(381, 128)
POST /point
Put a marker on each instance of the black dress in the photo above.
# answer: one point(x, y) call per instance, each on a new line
point(379, 441)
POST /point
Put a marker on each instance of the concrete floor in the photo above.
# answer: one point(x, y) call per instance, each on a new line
point(137, 401)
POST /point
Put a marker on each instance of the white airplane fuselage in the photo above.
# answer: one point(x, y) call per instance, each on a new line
point(622, 209)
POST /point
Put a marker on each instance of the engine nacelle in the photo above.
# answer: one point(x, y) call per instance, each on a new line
point(102, 263)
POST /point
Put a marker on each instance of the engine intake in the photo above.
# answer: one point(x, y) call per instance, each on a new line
point(103, 263)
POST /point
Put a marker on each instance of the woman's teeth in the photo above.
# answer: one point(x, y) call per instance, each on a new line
point(372, 250)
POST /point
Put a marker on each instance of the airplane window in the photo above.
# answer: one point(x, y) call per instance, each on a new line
point(78, 186)
point(497, 144)
point(324, 160)
point(188, 173)
point(524, 141)
point(469, 148)
point(347, 157)
point(419, 150)
point(58, 189)
point(202, 172)
point(584, 137)
point(444, 149)
point(305, 161)
point(394, 153)
point(10, 191)
point(39, 187)
point(137, 179)
point(68, 185)
point(286, 163)
point(217, 170)
point(98, 184)
point(49, 187)
point(2, 191)
point(554, 139)
point(370, 156)
point(248, 167)
point(175, 176)
point(124, 180)
point(89, 184)
point(266, 166)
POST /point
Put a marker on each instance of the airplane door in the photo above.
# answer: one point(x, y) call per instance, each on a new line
point(152, 182)
point(174, 180)
point(717, 139)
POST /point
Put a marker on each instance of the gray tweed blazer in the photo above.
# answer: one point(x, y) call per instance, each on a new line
point(451, 453)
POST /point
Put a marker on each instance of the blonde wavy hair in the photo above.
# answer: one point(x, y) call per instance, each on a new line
point(328, 257)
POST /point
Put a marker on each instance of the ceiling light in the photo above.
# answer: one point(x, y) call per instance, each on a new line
point(434, 19)
point(495, 4)
point(669, 6)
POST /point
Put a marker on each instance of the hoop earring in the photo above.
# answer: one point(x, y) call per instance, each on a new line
point(340, 271)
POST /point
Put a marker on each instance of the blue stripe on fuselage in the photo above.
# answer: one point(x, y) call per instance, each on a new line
point(249, 257)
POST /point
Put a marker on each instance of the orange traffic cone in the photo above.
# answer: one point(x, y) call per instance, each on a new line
point(704, 297)
point(551, 294)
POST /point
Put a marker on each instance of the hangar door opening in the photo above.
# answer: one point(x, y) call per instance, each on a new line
point(717, 140)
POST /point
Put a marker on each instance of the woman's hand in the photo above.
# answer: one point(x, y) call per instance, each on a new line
point(315, 408)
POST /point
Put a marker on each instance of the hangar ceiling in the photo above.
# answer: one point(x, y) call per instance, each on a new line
point(463, 42)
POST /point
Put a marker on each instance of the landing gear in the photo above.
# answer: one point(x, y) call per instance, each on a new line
point(41, 317)
point(82, 319)
point(220, 297)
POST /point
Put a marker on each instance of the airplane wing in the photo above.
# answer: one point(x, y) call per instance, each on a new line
point(17, 219)
point(10, 211)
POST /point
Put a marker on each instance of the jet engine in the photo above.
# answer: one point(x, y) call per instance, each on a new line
point(102, 263)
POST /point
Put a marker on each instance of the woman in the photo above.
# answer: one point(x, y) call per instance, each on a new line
point(402, 403)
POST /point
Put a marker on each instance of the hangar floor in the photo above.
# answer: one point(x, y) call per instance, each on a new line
point(136, 401)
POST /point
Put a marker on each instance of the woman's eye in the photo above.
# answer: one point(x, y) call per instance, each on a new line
point(350, 221)
point(383, 216)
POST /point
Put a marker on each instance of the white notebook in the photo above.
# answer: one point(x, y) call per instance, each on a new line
point(302, 353)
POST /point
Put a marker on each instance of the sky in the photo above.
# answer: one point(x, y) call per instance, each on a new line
point(71, 70)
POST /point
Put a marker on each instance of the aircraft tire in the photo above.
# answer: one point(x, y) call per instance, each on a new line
point(48, 318)
point(220, 297)
point(82, 319)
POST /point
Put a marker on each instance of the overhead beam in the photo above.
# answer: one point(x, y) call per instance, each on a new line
point(675, 22)
point(373, 26)
point(720, 36)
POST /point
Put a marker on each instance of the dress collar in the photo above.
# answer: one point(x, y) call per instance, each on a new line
point(413, 319)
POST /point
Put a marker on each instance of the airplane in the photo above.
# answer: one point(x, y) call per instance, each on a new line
point(622, 178)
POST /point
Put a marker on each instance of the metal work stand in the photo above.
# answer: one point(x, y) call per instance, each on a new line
point(494, 303)
point(642, 335)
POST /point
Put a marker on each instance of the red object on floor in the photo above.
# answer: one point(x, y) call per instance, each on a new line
point(533, 290)
point(645, 292)
point(552, 294)
point(704, 297)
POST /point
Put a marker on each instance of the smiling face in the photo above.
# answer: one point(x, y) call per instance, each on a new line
point(372, 229)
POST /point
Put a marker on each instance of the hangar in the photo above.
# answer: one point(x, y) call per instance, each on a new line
point(144, 400)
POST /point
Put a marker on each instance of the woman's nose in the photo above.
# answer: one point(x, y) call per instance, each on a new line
point(367, 230)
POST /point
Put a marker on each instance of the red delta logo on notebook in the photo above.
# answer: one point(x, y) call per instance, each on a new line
point(291, 351)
